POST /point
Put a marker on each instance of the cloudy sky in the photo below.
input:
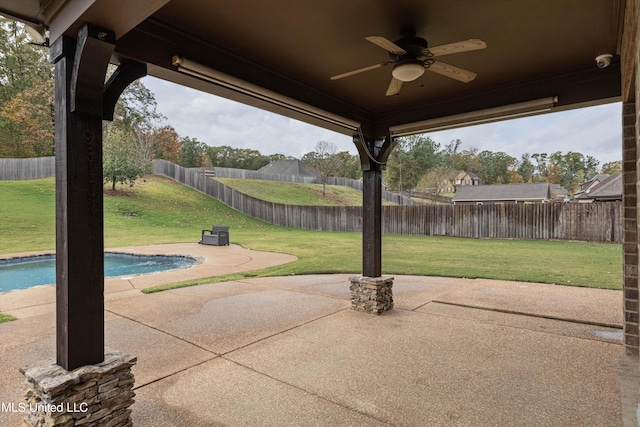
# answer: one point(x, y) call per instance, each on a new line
point(594, 131)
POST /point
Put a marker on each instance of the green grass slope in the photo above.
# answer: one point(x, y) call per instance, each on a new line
point(290, 193)
point(162, 211)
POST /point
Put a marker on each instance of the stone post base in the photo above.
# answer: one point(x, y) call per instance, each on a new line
point(87, 396)
point(371, 295)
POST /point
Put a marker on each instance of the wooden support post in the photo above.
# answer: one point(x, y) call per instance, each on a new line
point(80, 69)
point(373, 156)
point(372, 223)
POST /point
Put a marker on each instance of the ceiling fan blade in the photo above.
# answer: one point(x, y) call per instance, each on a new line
point(394, 87)
point(452, 71)
point(359, 70)
point(386, 45)
point(461, 46)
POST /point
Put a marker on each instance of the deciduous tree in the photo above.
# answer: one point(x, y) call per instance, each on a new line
point(412, 157)
point(612, 167)
point(192, 152)
point(526, 168)
point(26, 123)
point(121, 158)
point(348, 165)
point(323, 161)
point(26, 94)
point(495, 167)
point(238, 158)
point(571, 169)
point(167, 145)
point(136, 113)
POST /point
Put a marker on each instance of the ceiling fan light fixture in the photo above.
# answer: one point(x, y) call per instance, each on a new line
point(408, 71)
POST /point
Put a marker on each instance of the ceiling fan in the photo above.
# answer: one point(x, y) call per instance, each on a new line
point(411, 56)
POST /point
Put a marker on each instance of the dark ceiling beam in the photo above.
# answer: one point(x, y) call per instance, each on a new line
point(628, 49)
point(17, 16)
point(67, 17)
point(168, 42)
point(573, 89)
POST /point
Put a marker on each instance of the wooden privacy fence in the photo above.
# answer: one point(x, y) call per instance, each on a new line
point(21, 169)
point(330, 218)
point(597, 222)
point(249, 174)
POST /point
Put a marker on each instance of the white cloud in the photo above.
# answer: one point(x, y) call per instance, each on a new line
point(594, 131)
point(218, 121)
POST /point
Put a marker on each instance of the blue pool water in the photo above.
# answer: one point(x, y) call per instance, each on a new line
point(21, 273)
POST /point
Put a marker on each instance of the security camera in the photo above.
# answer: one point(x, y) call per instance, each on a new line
point(604, 60)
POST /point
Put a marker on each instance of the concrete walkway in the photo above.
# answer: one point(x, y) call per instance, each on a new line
point(288, 351)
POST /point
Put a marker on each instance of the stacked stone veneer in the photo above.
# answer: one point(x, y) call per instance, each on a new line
point(94, 395)
point(372, 295)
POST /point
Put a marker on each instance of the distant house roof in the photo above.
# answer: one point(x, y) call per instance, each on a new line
point(537, 192)
point(473, 175)
point(592, 183)
point(288, 167)
point(608, 189)
point(558, 190)
point(452, 174)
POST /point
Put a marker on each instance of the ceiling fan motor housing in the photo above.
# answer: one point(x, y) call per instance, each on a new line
point(412, 45)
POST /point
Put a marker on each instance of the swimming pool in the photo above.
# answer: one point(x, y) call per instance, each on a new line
point(21, 273)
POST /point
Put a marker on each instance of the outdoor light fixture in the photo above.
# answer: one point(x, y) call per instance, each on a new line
point(225, 80)
point(38, 33)
point(408, 71)
point(521, 109)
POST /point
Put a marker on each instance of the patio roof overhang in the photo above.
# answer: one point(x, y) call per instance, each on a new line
point(290, 49)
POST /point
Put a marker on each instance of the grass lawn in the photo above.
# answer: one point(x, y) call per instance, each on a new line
point(162, 211)
point(296, 193)
point(6, 318)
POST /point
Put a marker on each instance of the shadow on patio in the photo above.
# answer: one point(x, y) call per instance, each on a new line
point(290, 351)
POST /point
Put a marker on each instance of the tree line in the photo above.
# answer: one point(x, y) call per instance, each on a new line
point(137, 135)
point(26, 95)
point(419, 163)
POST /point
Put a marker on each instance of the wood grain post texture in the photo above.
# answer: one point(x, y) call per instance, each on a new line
point(80, 68)
point(83, 386)
point(370, 292)
point(373, 155)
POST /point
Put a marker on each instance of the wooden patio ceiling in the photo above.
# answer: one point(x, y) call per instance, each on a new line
point(289, 49)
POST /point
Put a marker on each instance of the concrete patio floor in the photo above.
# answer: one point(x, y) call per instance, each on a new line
point(289, 350)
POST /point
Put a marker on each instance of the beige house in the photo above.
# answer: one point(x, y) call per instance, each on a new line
point(458, 179)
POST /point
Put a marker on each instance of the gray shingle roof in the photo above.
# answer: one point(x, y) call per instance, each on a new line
point(593, 182)
point(610, 188)
point(473, 175)
point(287, 167)
point(558, 190)
point(503, 192)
